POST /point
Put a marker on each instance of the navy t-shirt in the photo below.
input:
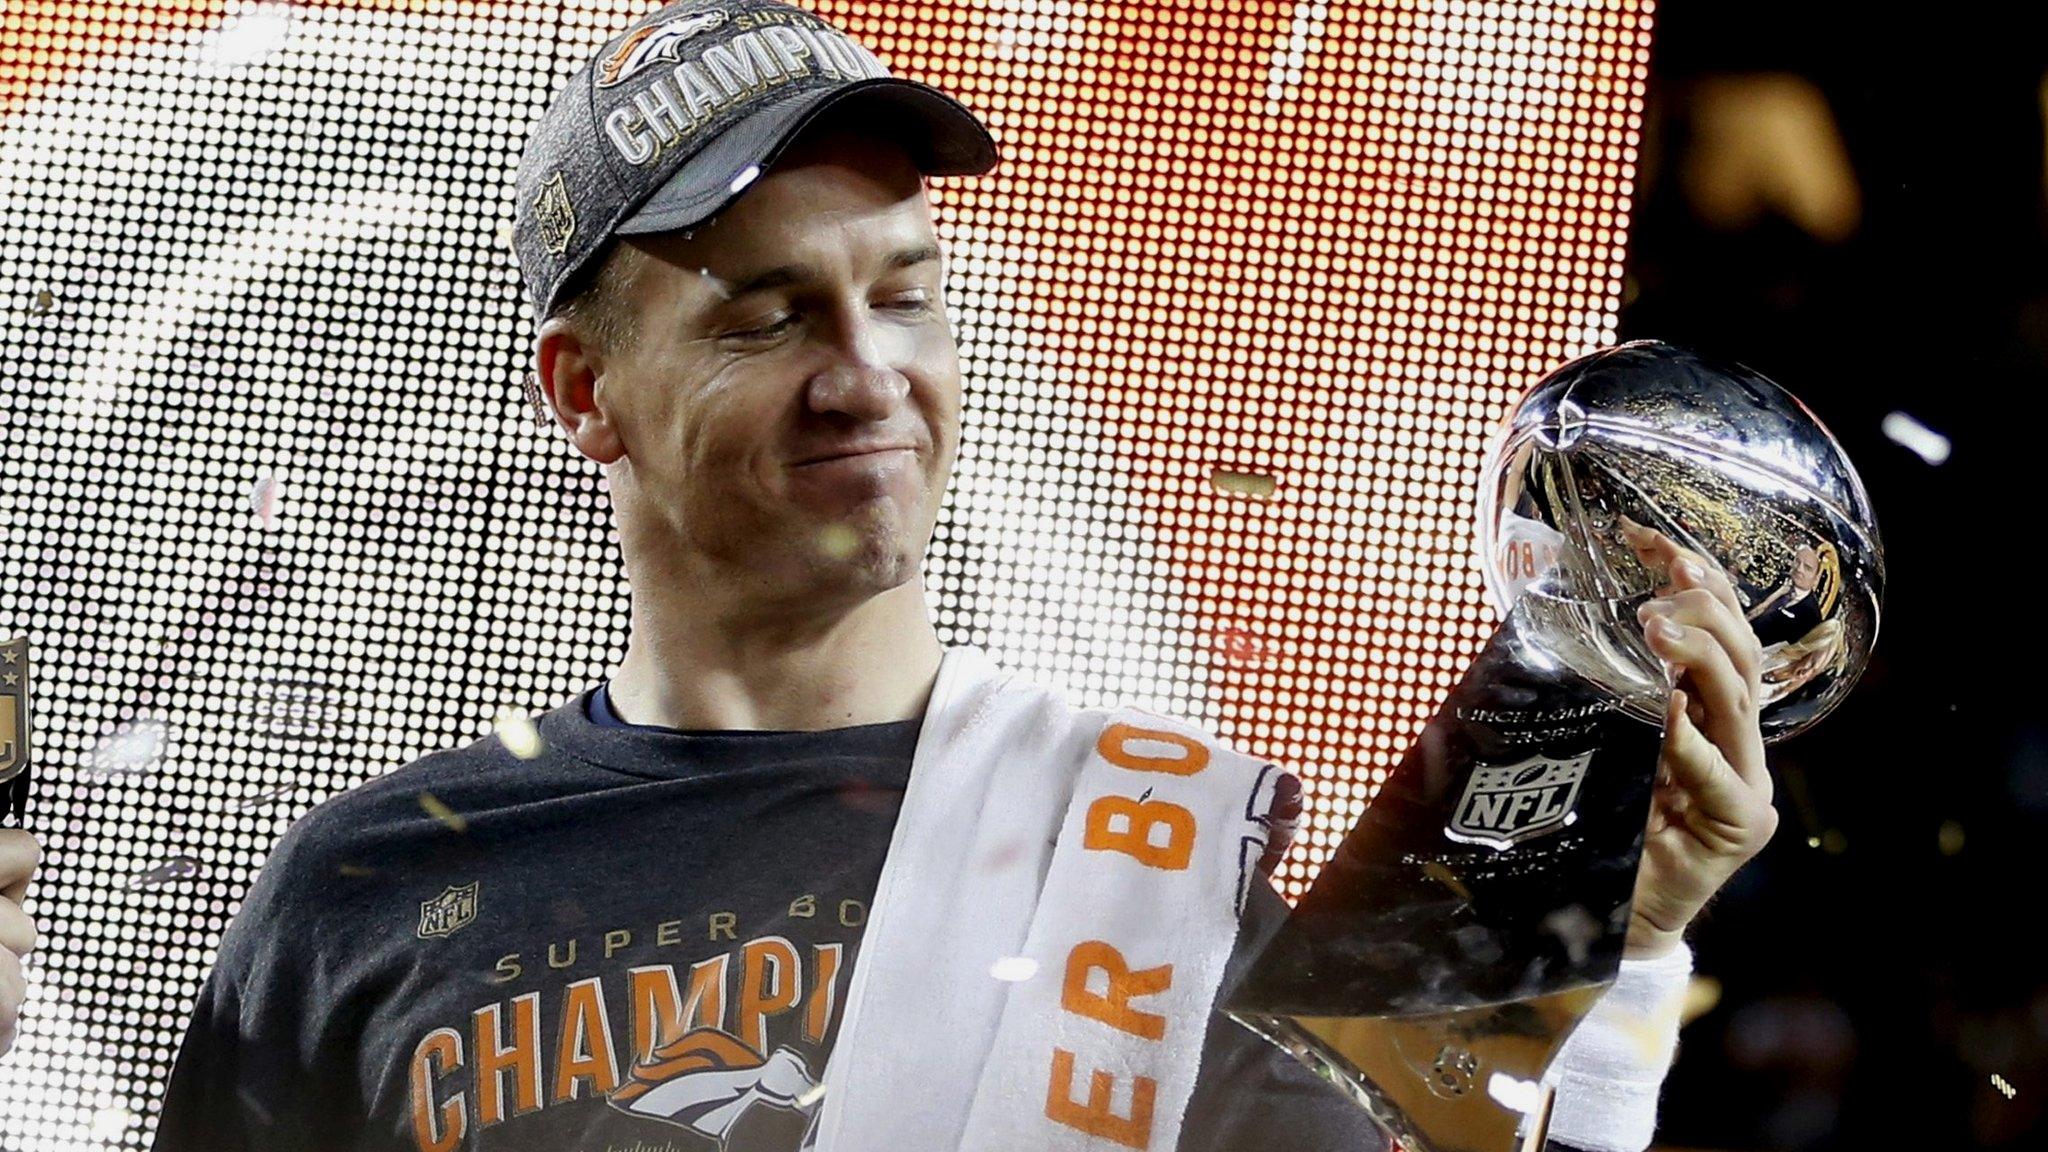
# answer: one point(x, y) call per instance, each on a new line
point(639, 940)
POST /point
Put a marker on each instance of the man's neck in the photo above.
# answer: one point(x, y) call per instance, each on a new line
point(872, 664)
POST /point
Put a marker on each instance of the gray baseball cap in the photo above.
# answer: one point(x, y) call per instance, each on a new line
point(670, 122)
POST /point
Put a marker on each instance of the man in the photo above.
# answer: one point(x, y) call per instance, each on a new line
point(649, 933)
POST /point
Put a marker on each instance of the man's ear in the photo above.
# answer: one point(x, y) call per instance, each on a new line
point(568, 367)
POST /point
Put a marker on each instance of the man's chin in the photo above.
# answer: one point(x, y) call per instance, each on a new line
point(858, 551)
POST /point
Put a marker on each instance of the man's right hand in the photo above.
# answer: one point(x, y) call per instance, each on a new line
point(19, 854)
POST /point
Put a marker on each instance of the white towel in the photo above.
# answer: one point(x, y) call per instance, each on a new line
point(1041, 848)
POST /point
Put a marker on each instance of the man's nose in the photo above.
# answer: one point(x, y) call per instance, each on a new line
point(863, 378)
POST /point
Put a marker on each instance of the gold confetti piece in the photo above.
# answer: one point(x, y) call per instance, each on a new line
point(1243, 483)
point(1436, 871)
point(810, 1096)
point(1950, 838)
point(1701, 994)
point(837, 541)
point(442, 812)
point(1813, 841)
point(46, 302)
point(505, 234)
point(518, 734)
point(2000, 1083)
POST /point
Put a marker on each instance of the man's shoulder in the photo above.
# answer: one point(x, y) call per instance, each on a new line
point(429, 788)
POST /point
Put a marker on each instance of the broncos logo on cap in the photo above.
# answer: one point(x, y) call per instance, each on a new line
point(652, 44)
point(709, 1082)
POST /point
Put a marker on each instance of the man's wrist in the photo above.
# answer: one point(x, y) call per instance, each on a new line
point(1651, 944)
point(1647, 940)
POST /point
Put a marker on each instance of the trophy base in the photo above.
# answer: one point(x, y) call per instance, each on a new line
point(1468, 1080)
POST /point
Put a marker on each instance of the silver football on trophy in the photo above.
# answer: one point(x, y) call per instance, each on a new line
point(1646, 438)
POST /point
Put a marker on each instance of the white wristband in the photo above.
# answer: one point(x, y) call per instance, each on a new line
point(1611, 1068)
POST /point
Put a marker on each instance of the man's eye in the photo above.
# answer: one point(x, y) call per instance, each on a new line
point(912, 304)
point(772, 328)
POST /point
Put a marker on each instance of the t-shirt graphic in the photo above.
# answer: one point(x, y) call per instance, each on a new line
point(639, 940)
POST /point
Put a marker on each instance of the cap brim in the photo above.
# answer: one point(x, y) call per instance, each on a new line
point(942, 136)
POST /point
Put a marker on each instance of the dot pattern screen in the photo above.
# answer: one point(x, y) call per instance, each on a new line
point(1238, 314)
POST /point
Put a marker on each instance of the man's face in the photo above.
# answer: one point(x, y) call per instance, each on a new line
point(1805, 569)
point(806, 323)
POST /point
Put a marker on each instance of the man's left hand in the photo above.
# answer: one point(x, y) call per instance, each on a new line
point(1711, 810)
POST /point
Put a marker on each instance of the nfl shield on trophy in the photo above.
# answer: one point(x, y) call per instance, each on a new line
point(1479, 906)
point(1506, 803)
point(14, 727)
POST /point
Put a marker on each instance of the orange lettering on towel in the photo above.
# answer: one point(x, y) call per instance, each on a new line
point(1096, 1117)
point(1113, 1006)
point(1134, 838)
point(1115, 746)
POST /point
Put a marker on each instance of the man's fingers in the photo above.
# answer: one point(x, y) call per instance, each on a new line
point(1691, 570)
point(1730, 700)
point(1723, 805)
point(17, 930)
point(19, 855)
point(1684, 567)
point(13, 990)
point(1700, 608)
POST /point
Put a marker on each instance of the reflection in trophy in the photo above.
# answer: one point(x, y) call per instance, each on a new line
point(1646, 439)
point(1479, 907)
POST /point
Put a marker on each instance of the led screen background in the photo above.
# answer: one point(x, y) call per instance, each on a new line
point(1237, 315)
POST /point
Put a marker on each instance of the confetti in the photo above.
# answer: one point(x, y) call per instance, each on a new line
point(837, 541)
point(442, 812)
point(109, 1122)
point(517, 733)
point(283, 708)
point(1950, 838)
point(262, 798)
point(1435, 870)
point(2004, 1087)
point(249, 37)
point(1014, 968)
point(1259, 484)
point(1240, 646)
point(1916, 437)
point(1701, 994)
point(264, 497)
point(810, 1096)
point(46, 302)
point(132, 748)
point(1514, 1094)
point(169, 872)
